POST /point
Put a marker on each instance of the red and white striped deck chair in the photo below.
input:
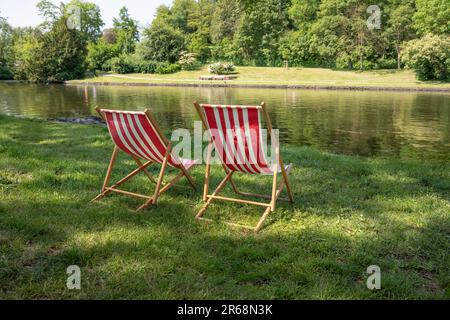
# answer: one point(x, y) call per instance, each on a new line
point(236, 135)
point(138, 135)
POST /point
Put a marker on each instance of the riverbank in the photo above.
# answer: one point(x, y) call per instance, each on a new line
point(349, 213)
point(293, 78)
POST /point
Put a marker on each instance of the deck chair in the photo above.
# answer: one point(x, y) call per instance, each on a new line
point(247, 156)
point(138, 135)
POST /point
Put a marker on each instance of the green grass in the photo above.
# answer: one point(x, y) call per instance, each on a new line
point(280, 76)
point(349, 213)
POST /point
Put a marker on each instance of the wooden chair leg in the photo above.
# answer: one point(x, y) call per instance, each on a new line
point(274, 191)
point(288, 184)
point(108, 173)
point(263, 219)
point(219, 188)
point(189, 178)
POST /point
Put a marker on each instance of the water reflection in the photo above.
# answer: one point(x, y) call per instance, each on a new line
point(388, 124)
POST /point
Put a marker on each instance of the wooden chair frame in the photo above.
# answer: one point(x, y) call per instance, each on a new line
point(277, 188)
point(160, 188)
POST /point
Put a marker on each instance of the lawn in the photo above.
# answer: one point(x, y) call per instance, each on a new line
point(350, 213)
point(281, 77)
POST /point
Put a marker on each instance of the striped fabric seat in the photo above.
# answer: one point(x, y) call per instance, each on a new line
point(134, 134)
point(237, 137)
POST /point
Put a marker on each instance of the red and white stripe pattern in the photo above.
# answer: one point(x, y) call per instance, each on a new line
point(136, 135)
point(237, 136)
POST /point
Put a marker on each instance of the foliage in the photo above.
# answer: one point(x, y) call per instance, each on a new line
point(5, 73)
point(123, 64)
point(90, 22)
point(126, 30)
point(99, 53)
point(263, 23)
point(432, 16)
point(25, 49)
point(134, 63)
point(315, 33)
point(6, 35)
point(188, 61)
point(162, 43)
point(55, 56)
point(222, 68)
point(429, 57)
point(167, 68)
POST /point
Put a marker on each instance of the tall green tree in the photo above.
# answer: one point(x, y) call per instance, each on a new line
point(261, 26)
point(226, 19)
point(400, 27)
point(127, 31)
point(162, 42)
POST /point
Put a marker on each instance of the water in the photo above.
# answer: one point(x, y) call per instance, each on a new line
point(407, 125)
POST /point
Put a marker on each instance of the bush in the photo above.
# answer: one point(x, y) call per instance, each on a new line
point(222, 68)
point(99, 53)
point(145, 66)
point(5, 74)
point(167, 68)
point(429, 57)
point(386, 63)
point(122, 64)
point(188, 61)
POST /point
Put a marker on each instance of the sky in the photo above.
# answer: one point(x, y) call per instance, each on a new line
point(22, 13)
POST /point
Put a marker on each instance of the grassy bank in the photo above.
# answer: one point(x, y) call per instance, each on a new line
point(350, 213)
point(251, 76)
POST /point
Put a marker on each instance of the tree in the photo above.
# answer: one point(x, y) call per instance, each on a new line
point(110, 36)
point(86, 15)
point(400, 28)
point(55, 56)
point(225, 19)
point(90, 18)
point(181, 13)
point(432, 16)
point(6, 34)
point(262, 24)
point(162, 43)
point(99, 53)
point(127, 31)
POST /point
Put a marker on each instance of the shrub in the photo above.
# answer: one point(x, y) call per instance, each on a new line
point(5, 73)
point(167, 68)
point(122, 64)
point(162, 43)
point(99, 53)
point(429, 57)
point(145, 66)
point(188, 61)
point(386, 63)
point(222, 68)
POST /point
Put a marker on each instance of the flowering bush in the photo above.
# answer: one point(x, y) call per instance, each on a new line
point(188, 61)
point(222, 68)
point(429, 57)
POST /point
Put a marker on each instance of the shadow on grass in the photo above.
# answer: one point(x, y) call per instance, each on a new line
point(350, 213)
